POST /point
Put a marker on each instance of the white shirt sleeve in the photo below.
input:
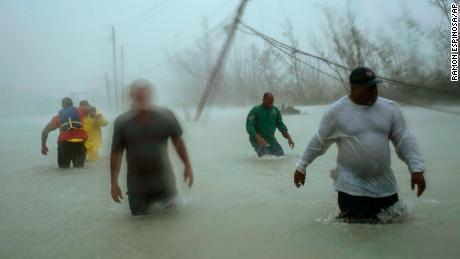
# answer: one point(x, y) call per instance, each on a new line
point(405, 144)
point(319, 144)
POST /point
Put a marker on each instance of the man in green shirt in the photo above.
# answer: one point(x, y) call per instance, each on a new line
point(261, 124)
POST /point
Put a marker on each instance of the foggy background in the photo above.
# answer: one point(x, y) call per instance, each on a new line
point(240, 206)
point(51, 49)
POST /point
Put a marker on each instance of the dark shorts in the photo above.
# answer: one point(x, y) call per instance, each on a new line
point(74, 152)
point(275, 150)
point(140, 203)
point(360, 209)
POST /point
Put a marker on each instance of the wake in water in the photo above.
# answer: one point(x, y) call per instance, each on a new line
point(271, 157)
point(163, 207)
point(397, 213)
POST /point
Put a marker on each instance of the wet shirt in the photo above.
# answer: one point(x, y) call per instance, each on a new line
point(264, 121)
point(145, 138)
point(73, 135)
point(362, 134)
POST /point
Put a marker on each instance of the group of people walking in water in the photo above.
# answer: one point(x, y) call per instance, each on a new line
point(361, 124)
point(80, 134)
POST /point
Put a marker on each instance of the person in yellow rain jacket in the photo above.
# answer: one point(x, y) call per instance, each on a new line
point(92, 124)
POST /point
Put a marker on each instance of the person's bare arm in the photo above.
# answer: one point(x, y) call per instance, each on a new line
point(179, 145)
point(45, 133)
point(288, 137)
point(283, 129)
point(115, 165)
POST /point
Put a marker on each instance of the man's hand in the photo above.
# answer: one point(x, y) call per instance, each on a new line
point(299, 178)
point(260, 140)
point(188, 176)
point(418, 179)
point(182, 151)
point(291, 143)
point(117, 195)
point(44, 150)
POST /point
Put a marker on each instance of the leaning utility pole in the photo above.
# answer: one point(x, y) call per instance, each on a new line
point(115, 84)
point(107, 87)
point(220, 61)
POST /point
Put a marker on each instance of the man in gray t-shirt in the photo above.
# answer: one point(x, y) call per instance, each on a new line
point(144, 132)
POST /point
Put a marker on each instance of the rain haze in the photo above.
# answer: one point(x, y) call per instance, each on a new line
point(133, 57)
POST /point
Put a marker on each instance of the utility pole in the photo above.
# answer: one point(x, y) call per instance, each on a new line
point(122, 78)
point(221, 59)
point(107, 87)
point(115, 84)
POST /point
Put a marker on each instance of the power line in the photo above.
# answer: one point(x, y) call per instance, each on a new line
point(279, 48)
point(293, 49)
point(330, 62)
point(151, 9)
point(411, 102)
point(282, 47)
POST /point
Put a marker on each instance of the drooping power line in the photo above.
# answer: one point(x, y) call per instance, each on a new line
point(291, 49)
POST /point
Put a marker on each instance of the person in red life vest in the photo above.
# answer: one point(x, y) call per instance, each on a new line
point(72, 137)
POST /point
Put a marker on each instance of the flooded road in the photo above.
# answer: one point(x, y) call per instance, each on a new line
point(239, 207)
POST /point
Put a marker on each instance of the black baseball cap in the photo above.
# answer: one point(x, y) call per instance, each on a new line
point(363, 76)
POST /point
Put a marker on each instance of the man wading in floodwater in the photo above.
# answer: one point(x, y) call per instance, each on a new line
point(261, 125)
point(361, 125)
point(144, 132)
point(72, 136)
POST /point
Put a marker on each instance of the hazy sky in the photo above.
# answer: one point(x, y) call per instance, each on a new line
point(59, 46)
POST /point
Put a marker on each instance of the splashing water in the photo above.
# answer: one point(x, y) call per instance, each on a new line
point(398, 213)
point(240, 206)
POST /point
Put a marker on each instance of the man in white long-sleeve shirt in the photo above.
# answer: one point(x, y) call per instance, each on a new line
point(362, 124)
